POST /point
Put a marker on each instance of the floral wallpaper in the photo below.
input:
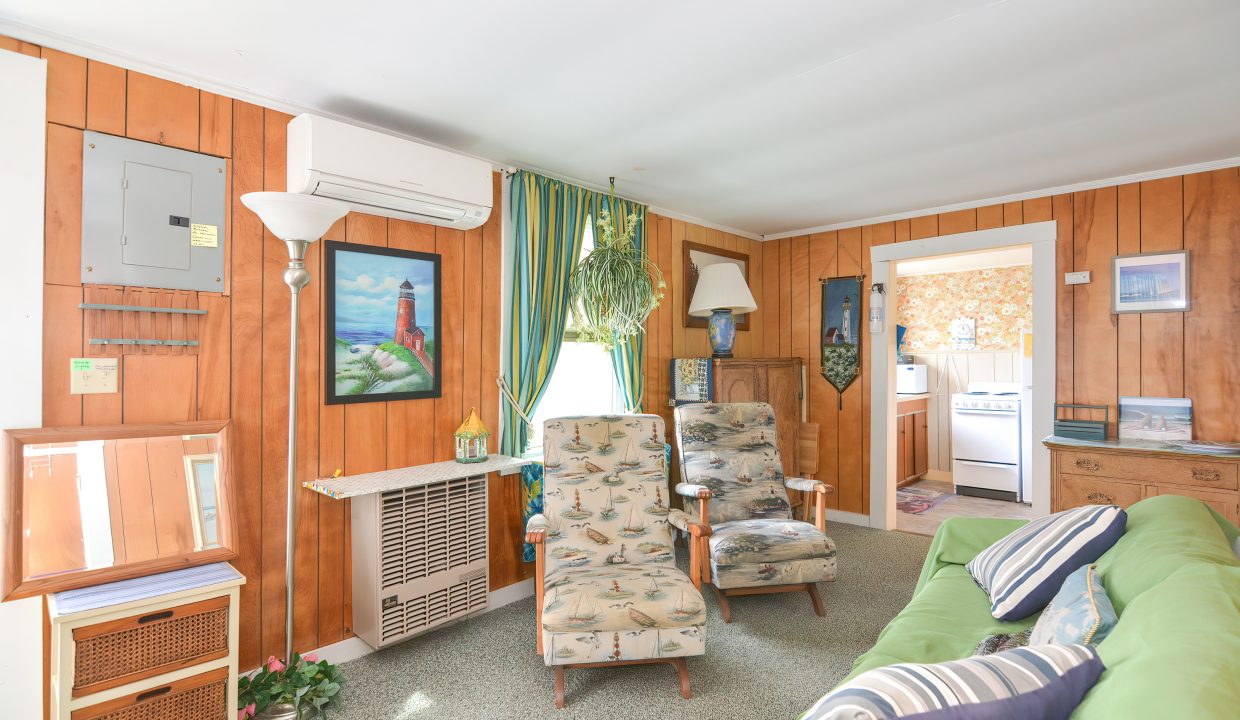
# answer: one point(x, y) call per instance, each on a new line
point(999, 299)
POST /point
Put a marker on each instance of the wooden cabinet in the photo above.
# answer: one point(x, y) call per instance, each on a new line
point(1122, 473)
point(162, 646)
point(912, 452)
point(774, 381)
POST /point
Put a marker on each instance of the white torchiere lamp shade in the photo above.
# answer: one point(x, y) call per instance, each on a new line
point(721, 294)
point(298, 220)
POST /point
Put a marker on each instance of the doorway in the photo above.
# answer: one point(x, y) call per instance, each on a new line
point(963, 386)
point(1038, 239)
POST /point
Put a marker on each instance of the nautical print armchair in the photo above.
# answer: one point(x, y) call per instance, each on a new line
point(730, 464)
point(608, 589)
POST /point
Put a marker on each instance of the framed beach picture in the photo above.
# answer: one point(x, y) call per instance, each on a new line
point(698, 256)
point(1150, 282)
point(381, 319)
point(1156, 418)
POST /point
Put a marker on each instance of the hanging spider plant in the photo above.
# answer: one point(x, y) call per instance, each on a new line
point(615, 287)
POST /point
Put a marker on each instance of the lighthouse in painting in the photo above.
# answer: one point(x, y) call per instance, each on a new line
point(407, 331)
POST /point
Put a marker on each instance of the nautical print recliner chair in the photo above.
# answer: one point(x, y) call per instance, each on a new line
point(609, 591)
point(730, 464)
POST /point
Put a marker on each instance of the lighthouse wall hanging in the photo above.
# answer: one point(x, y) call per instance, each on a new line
point(381, 324)
point(840, 354)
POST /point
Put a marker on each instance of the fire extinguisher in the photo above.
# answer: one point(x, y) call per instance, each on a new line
point(876, 308)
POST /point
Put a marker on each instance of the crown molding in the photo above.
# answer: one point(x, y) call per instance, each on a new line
point(664, 212)
point(1030, 195)
point(92, 51)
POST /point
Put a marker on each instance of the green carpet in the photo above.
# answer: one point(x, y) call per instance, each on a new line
point(773, 661)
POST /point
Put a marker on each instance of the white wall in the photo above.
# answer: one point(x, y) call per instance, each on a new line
point(23, 82)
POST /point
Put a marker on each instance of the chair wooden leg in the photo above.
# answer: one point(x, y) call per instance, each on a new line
point(682, 669)
point(724, 608)
point(815, 598)
point(559, 687)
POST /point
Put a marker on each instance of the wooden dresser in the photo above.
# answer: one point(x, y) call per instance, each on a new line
point(162, 646)
point(775, 381)
point(1118, 472)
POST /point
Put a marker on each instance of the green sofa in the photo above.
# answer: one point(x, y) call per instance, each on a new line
point(1173, 578)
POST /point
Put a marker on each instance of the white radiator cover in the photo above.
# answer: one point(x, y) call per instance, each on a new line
point(419, 558)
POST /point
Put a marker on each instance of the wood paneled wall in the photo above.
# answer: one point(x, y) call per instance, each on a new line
point(1100, 356)
point(240, 370)
point(666, 334)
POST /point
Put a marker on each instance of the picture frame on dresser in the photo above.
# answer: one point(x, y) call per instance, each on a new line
point(164, 509)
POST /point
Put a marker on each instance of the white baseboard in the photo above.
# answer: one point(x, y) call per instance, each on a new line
point(344, 651)
point(355, 647)
point(511, 594)
point(849, 518)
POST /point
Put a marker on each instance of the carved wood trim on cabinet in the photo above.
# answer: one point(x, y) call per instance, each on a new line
point(1125, 475)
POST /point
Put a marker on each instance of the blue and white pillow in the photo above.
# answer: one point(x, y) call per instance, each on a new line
point(1024, 570)
point(1045, 682)
point(1080, 614)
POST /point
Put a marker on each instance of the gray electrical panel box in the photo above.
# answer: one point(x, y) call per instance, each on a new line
point(152, 216)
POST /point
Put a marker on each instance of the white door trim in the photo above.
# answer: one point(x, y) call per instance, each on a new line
point(1041, 236)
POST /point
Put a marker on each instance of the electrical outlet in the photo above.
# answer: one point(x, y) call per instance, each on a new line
point(1076, 278)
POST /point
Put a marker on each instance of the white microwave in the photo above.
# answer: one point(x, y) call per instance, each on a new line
point(910, 379)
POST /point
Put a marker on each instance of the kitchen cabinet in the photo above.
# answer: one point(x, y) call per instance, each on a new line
point(912, 451)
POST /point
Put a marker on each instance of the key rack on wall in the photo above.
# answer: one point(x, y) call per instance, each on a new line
point(127, 320)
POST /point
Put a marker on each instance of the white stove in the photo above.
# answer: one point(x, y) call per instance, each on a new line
point(986, 441)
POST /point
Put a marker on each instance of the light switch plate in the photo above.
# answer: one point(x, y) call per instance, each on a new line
point(88, 376)
point(1076, 278)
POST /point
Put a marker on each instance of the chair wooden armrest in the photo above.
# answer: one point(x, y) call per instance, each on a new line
point(699, 553)
point(703, 495)
point(537, 537)
point(821, 491)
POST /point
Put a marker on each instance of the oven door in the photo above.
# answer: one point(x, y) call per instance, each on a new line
point(986, 436)
point(1000, 477)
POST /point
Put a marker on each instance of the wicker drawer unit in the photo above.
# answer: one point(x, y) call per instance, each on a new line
point(198, 697)
point(1123, 472)
point(160, 647)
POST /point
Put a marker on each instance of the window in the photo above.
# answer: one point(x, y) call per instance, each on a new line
point(583, 382)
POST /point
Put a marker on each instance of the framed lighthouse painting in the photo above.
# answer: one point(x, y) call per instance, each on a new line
point(381, 324)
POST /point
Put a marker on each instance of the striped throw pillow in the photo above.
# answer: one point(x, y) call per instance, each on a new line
point(1045, 682)
point(1023, 571)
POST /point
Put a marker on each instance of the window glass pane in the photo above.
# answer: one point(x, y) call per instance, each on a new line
point(583, 382)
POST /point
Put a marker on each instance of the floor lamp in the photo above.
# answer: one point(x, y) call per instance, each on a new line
point(298, 220)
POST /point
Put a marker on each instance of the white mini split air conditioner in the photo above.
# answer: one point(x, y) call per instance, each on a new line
point(385, 175)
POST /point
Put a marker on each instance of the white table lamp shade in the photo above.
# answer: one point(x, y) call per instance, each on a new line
point(721, 286)
point(293, 216)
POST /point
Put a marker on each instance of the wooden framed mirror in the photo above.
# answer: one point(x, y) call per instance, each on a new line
point(88, 505)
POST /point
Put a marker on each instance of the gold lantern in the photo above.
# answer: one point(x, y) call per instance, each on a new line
point(471, 439)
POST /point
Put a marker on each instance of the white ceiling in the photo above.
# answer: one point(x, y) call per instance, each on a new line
point(763, 116)
point(983, 260)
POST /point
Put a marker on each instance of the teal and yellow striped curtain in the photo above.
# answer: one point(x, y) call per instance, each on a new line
point(626, 357)
point(548, 223)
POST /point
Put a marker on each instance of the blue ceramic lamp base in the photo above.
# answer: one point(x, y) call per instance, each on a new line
point(722, 333)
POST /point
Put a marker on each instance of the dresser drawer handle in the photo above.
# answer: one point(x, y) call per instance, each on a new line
point(1087, 464)
point(1206, 475)
point(153, 693)
point(1099, 498)
point(163, 615)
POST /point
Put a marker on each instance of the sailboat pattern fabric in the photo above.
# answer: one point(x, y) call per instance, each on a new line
point(612, 590)
point(731, 449)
